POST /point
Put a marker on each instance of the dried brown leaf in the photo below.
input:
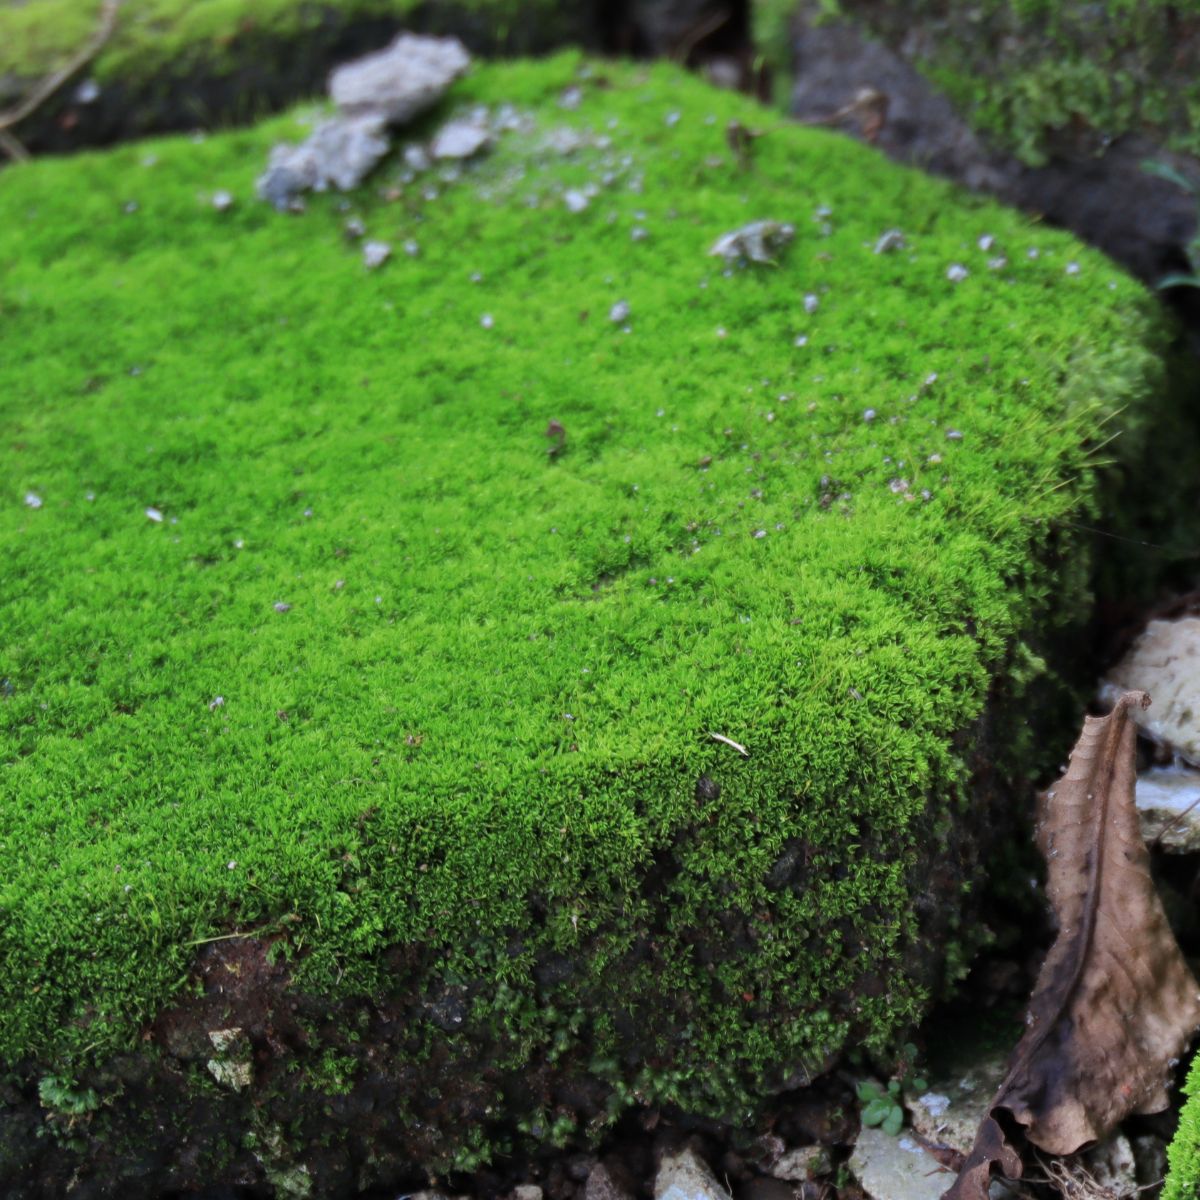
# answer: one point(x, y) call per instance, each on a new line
point(1115, 1003)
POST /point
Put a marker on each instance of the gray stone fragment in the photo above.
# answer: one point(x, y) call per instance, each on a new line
point(758, 241)
point(685, 1176)
point(400, 81)
point(460, 139)
point(604, 1183)
point(527, 1191)
point(375, 254)
point(897, 1168)
point(1168, 802)
point(1164, 661)
point(339, 152)
point(802, 1163)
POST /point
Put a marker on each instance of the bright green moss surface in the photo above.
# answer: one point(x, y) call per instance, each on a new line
point(36, 36)
point(493, 689)
point(1183, 1155)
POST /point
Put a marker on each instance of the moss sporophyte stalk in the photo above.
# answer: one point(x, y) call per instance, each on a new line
point(328, 690)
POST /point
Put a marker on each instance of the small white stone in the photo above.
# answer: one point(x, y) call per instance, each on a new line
point(638, 234)
point(986, 242)
point(154, 514)
point(575, 200)
point(487, 320)
point(281, 606)
point(672, 119)
point(760, 533)
point(459, 139)
point(33, 500)
point(1032, 252)
point(998, 263)
point(375, 254)
point(411, 248)
point(869, 414)
point(811, 302)
point(222, 200)
point(954, 435)
point(619, 312)
point(889, 240)
point(88, 92)
point(416, 159)
point(801, 340)
point(216, 702)
point(956, 272)
point(570, 98)
point(1072, 268)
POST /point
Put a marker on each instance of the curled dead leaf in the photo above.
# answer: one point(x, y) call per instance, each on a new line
point(1115, 1003)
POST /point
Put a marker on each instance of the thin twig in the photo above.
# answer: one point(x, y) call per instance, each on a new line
point(52, 82)
point(720, 737)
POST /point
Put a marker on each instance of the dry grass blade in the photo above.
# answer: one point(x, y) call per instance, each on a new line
point(1115, 1003)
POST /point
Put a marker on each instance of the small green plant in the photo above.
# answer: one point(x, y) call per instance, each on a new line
point(62, 1095)
point(1192, 249)
point(885, 1106)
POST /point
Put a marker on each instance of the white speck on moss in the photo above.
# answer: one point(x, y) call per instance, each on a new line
point(956, 272)
point(375, 254)
point(239, 544)
point(570, 98)
point(801, 339)
point(638, 234)
point(231, 865)
point(672, 119)
point(721, 331)
point(33, 500)
point(411, 248)
point(487, 320)
point(215, 703)
point(998, 263)
point(90, 497)
point(954, 435)
point(619, 312)
point(889, 240)
point(986, 242)
point(759, 533)
point(1032, 252)
point(154, 514)
point(575, 200)
point(1072, 268)
point(281, 606)
point(811, 303)
point(222, 200)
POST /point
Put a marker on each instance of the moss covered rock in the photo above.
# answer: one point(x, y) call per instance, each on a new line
point(369, 633)
point(1038, 77)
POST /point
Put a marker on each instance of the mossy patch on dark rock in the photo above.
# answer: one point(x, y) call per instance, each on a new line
point(353, 742)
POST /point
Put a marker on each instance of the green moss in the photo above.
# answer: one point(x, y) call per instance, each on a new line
point(1076, 72)
point(1183, 1154)
point(480, 726)
point(177, 35)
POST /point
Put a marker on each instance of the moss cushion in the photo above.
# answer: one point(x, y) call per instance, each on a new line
point(635, 742)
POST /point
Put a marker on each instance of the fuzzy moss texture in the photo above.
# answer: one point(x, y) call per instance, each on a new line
point(1033, 74)
point(152, 36)
point(1183, 1155)
point(388, 673)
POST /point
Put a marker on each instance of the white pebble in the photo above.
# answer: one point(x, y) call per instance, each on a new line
point(986, 242)
point(154, 514)
point(216, 702)
point(1072, 268)
point(869, 414)
point(956, 272)
point(619, 312)
point(33, 500)
point(222, 200)
point(375, 254)
point(575, 200)
point(954, 435)
point(811, 302)
point(487, 320)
